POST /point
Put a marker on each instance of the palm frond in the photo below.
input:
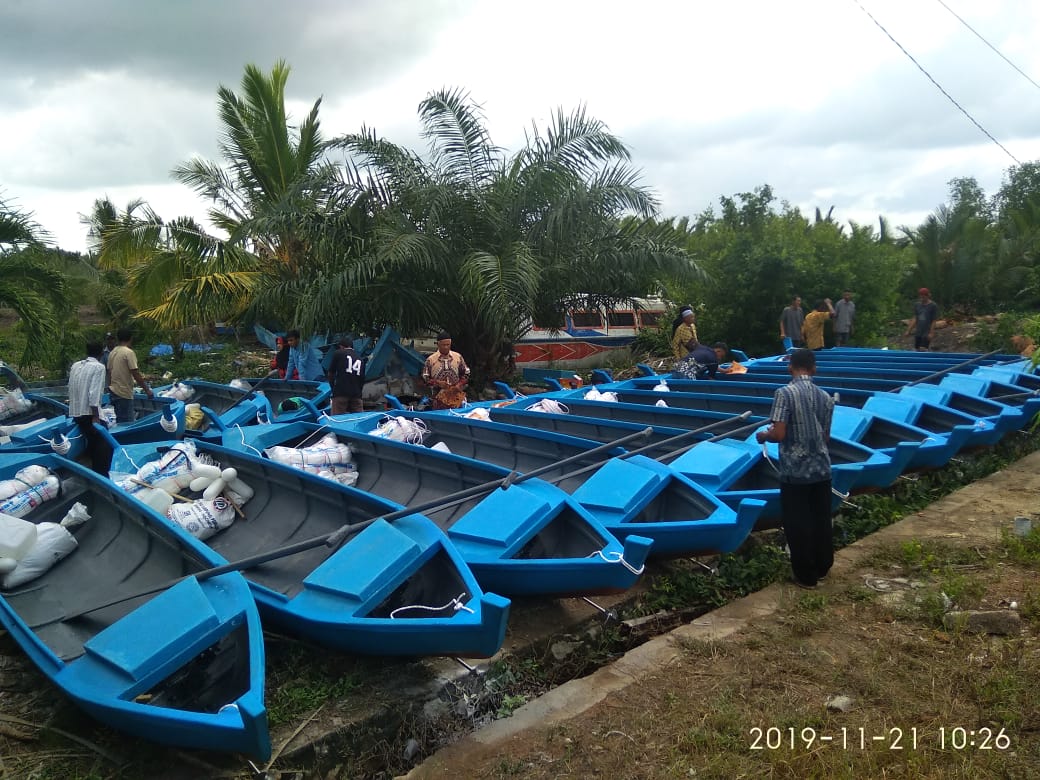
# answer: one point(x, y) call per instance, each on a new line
point(459, 143)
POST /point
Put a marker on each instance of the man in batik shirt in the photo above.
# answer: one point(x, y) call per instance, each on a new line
point(446, 373)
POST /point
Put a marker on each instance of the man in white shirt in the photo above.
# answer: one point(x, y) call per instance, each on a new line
point(86, 384)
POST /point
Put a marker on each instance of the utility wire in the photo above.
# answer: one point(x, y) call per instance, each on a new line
point(979, 36)
point(937, 84)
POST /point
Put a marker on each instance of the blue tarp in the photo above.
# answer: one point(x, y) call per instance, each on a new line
point(164, 350)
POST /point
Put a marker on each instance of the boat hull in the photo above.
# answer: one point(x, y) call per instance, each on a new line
point(503, 535)
point(184, 666)
point(397, 588)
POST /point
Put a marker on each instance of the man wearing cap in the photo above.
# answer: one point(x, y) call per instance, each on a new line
point(446, 372)
point(110, 344)
point(923, 323)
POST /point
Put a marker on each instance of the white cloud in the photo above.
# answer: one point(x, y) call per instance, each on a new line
point(808, 96)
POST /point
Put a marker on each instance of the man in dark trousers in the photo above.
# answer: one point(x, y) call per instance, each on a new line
point(923, 324)
point(86, 384)
point(800, 422)
point(347, 377)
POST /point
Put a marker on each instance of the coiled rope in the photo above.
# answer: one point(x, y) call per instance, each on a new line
point(617, 557)
point(548, 406)
point(455, 605)
point(61, 444)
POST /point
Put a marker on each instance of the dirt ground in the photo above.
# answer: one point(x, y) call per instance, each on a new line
point(923, 701)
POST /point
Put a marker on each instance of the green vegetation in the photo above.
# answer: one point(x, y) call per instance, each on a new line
point(354, 232)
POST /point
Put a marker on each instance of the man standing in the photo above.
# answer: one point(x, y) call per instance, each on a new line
point(347, 377)
point(801, 424)
point(844, 314)
point(110, 344)
point(446, 373)
point(812, 328)
point(122, 374)
point(304, 359)
point(923, 324)
point(86, 384)
point(791, 319)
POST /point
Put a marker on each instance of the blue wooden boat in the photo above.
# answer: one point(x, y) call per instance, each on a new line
point(52, 430)
point(637, 495)
point(289, 400)
point(872, 469)
point(878, 420)
point(735, 481)
point(1003, 416)
point(397, 588)
point(899, 442)
point(157, 418)
point(529, 539)
point(181, 663)
point(223, 406)
point(900, 354)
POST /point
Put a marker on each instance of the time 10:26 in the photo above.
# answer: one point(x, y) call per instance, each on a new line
point(985, 738)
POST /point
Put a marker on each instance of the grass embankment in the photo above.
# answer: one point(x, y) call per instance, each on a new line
point(923, 701)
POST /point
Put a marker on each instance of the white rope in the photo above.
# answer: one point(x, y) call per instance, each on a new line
point(242, 433)
point(61, 444)
point(310, 435)
point(548, 406)
point(617, 557)
point(455, 604)
point(402, 429)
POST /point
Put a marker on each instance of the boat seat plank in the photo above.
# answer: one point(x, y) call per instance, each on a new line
point(619, 486)
point(138, 642)
point(502, 517)
point(713, 464)
point(376, 553)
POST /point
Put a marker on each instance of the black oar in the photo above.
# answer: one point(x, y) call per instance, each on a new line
point(952, 368)
point(1009, 396)
point(340, 535)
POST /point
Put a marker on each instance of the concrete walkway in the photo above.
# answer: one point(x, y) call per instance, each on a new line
point(975, 514)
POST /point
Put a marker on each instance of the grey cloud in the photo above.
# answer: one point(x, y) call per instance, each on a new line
point(202, 43)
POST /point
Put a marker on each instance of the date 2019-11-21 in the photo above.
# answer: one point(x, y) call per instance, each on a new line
point(894, 738)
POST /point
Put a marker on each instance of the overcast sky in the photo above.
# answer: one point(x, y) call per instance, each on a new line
point(714, 98)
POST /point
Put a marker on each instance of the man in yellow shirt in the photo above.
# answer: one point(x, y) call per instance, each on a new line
point(123, 374)
point(684, 333)
point(812, 328)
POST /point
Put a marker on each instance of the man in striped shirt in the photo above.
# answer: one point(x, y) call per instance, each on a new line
point(86, 384)
point(801, 425)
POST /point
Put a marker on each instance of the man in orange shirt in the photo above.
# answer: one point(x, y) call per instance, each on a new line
point(812, 328)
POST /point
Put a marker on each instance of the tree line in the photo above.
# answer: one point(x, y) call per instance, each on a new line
point(355, 232)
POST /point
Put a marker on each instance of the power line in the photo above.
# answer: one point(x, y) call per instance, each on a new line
point(937, 84)
point(979, 36)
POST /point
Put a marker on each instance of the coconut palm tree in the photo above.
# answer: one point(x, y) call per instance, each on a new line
point(270, 188)
point(479, 242)
point(271, 174)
